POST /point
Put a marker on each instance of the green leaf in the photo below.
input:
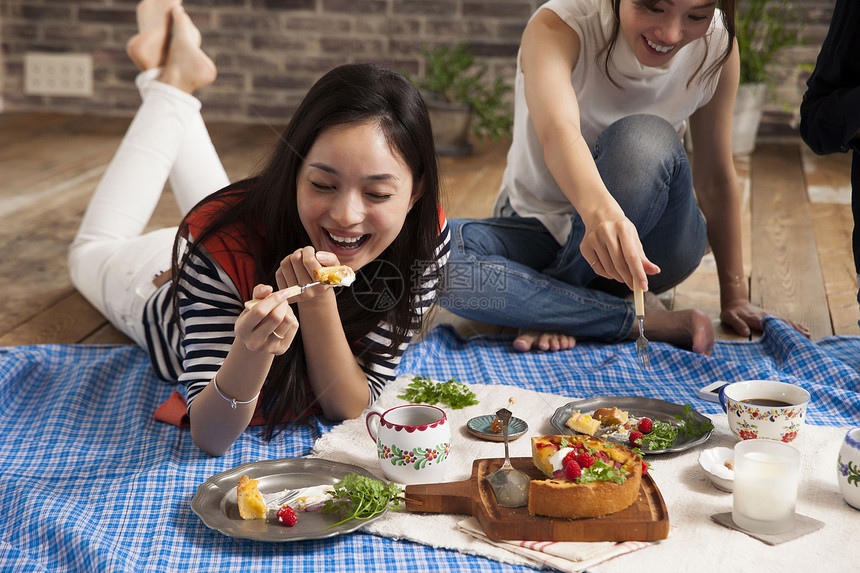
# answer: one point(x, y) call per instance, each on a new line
point(453, 73)
point(661, 436)
point(761, 32)
point(361, 497)
point(690, 428)
point(452, 393)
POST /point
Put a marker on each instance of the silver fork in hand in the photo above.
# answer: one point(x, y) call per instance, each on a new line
point(642, 353)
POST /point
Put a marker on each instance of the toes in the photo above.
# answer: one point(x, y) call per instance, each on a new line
point(525, 340)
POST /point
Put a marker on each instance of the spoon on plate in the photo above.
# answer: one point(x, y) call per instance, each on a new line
point(510, 485)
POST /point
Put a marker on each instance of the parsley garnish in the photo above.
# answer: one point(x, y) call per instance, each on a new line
point(690, 428)
point(602, 471)
point(661, 436)
point(455, 394)
point(361, 497)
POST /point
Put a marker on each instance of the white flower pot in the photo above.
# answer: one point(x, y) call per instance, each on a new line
point(747, 117)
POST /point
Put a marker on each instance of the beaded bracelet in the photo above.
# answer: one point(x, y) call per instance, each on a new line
point(233, 401)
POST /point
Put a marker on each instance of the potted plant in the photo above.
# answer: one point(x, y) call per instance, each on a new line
point(761, 30)
point(460, 101)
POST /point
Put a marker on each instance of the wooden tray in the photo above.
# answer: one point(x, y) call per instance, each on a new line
point(645, 520)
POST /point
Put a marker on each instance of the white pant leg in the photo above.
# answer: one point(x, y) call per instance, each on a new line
point(115, 276)
point(197, 170)
point(110, 262)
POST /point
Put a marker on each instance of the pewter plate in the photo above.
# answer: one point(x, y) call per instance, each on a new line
point(215, 500)
point(635, 406)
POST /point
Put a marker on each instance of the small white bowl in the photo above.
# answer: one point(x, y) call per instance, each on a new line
point(713, 461)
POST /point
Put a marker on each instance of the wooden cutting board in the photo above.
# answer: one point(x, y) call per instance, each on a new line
point(645, 520)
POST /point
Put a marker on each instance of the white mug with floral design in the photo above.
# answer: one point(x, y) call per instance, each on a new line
point(764, 409)
point(413, 442)
point(848, 468)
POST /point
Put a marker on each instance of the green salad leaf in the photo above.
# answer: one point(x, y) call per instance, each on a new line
point(661, 436)
point(689, 427)
point(452, 393)
point(360, 497)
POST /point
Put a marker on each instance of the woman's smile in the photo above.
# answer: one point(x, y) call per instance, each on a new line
point(348, 242)
point(659, 49)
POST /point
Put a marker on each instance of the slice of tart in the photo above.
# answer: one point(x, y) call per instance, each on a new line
point(251, 504)
point(337, 275)
point(608, 479)
point(610, 416)
point(582, 423)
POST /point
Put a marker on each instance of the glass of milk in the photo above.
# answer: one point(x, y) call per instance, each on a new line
point(767, 474)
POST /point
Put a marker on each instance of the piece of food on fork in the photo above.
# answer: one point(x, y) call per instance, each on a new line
point(339, 275)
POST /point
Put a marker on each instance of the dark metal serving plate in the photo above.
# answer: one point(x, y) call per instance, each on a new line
point(635, 406)
point(215, 500)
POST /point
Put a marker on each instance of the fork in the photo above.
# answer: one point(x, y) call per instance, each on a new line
point(276, 500)
point(642, 353)
point(292, 291)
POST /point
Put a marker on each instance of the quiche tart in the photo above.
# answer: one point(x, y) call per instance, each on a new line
point(251, 504)
point(586, 477)
point(338, 275)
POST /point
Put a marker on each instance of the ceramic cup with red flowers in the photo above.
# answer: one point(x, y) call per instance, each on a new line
point(764, 409)
point(413, 442)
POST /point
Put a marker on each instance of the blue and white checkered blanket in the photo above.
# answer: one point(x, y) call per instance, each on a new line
point(91, 482)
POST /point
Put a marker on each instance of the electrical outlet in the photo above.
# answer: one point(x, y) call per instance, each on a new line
point(58, 74)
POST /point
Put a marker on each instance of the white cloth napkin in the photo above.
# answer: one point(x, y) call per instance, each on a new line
point(350, 443)
point(562, 555)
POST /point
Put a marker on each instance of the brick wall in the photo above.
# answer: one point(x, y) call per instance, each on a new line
point(268, 52)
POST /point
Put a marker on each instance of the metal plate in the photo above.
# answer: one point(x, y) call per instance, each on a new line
point(479, 427)
point(635, 406)
point(215, 500)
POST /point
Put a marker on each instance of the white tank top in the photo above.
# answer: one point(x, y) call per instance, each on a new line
point(661, 91)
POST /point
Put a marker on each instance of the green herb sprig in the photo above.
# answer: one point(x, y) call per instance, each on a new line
point(361, 497)
point(661, 436)
point(452, 393)
point(690, 428)
point(602, 471)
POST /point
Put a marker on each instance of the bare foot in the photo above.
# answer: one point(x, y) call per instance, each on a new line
point(148, 48)
point(689, 329)
point(547, 341)
point(187, 67)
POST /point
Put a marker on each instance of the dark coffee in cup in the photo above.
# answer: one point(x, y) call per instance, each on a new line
point(766, 402)
point(764, 409)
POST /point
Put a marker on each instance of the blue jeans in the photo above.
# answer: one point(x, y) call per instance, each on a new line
point(511, 271)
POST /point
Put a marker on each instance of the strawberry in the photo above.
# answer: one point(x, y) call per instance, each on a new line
point(635, 438)
point(645, 425)
point(287, 516)
point(585, 460)
point(644, 468)
point(572, 471)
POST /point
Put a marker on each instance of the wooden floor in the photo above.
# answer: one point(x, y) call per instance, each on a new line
point(797, 225)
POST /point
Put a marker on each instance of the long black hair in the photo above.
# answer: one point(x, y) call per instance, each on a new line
point(727, 9)
point(264, 209)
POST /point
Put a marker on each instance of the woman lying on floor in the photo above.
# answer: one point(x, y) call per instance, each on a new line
point(352, 181)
